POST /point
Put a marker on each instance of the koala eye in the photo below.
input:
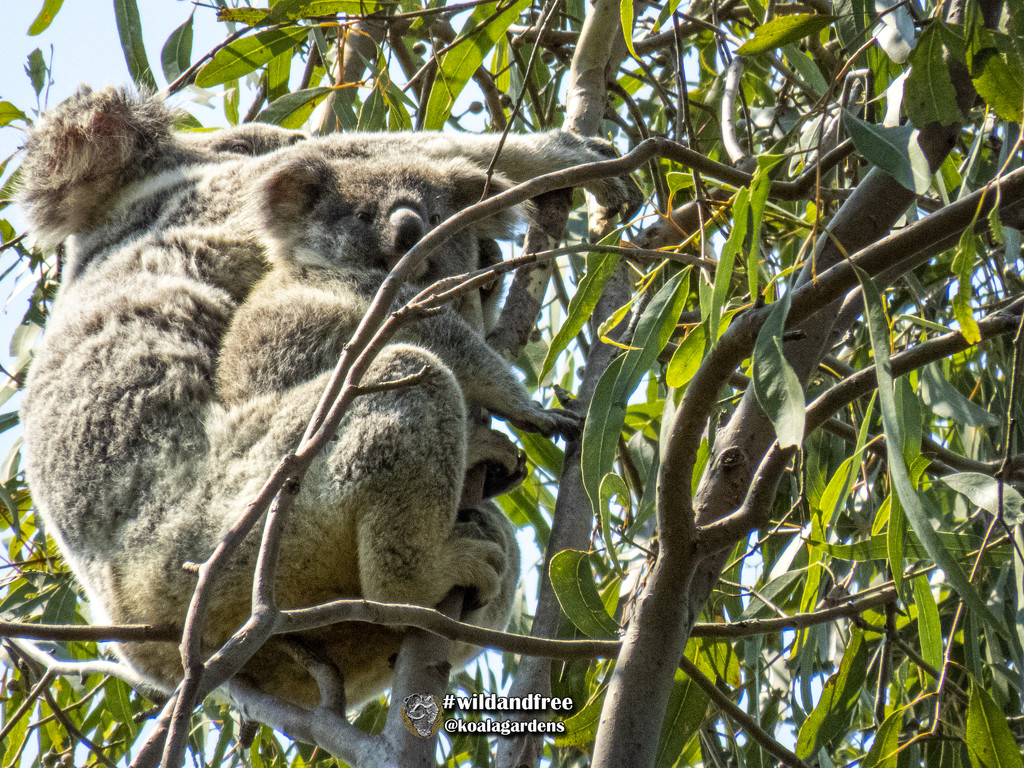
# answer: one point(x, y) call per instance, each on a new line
point(364, 216)
point(434, 219)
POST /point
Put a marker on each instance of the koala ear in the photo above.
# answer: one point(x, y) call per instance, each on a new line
point(470, 184)
point(291, 193)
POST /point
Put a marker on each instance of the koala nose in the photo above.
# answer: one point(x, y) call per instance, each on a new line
point(407, 229)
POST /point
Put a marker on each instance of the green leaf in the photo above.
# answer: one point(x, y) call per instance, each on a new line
point(581, 728)
point(600, 267)
point(983, 491)
point(292, 110)
point(176, 54)
point(9, 113)
point(293, 10)
point(776, 385)
point(999, 83)
point(784, 29)
point(573, 583)
point(885, 748)
point(687, 357)
point(484, 28)
point(626, 22)
point(893, 150)
point(117, 697)
point(946, 401)
point(928, 628)
point(919, 522)
point(50, 9)
point(607, 413)
point(723, 272)
point(963, 267)
point(988, 737)
point(249, 53)
point(36, 70)
point(612, 485)
point(129, 28)
point(687, 705)
point(831, 716)
point(928, 94)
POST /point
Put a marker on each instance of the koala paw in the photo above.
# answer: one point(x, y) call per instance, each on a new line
point(480, 563)
point(504, 464)
point(548, 422)
point(617, 195)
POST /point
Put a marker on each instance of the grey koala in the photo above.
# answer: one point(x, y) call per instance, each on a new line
point(137, 468)
point(332, 230)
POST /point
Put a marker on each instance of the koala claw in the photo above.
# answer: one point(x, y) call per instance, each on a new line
point(550, 422)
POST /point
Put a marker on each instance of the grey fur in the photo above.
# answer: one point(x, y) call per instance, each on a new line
point(135, 466)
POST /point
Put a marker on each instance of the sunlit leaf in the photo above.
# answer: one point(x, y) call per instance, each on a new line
point(573, 582)
point(247, 54)
point(784, 29)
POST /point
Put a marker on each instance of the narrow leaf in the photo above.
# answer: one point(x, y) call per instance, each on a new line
point(776, 385)
point(928, 627)
point(988, 737)
point(599, 268)
point(893, 150)
point(176, 54)
point(42, 21)
point(485, 26)
point(784, 29)
point(129, 28)
point(249, 53)
point(831, 716)
point(607, 412)
point(919, 522)
point(928, 94)
point(983, 491)
point(885, 748)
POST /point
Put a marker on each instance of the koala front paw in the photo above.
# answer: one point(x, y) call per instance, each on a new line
point(548, 422)
point(616, 194)
point(504, 464)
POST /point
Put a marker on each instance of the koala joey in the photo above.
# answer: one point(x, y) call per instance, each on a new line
point(332, 230)
point(135, 465)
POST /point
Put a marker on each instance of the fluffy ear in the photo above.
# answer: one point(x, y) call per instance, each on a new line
point(291, 194)
point(470, 184)
point(82, 155)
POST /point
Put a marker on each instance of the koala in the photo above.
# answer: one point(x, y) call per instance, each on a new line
point(136, 466)
point(332, 230)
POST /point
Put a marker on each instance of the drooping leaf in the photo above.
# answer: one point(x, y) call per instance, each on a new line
point(919, 522)
point(988, 737)
point(831, 716)
point(129, 28)
point(893, 150)
point(947, 402)
point(573, 583)
point(928, 627)
point(776, 385)
point(687, 705)
point(482, 30)
point(999, 82)
point(607, 412)
point(599, 268)
point(928, 94)
point(581, 728)
point(885, 748)
point(784, 29)
point(36, 70)
point(177, 51)
point(247, 54)
point(983, 491)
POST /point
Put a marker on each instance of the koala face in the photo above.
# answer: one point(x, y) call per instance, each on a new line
point(363, 215)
